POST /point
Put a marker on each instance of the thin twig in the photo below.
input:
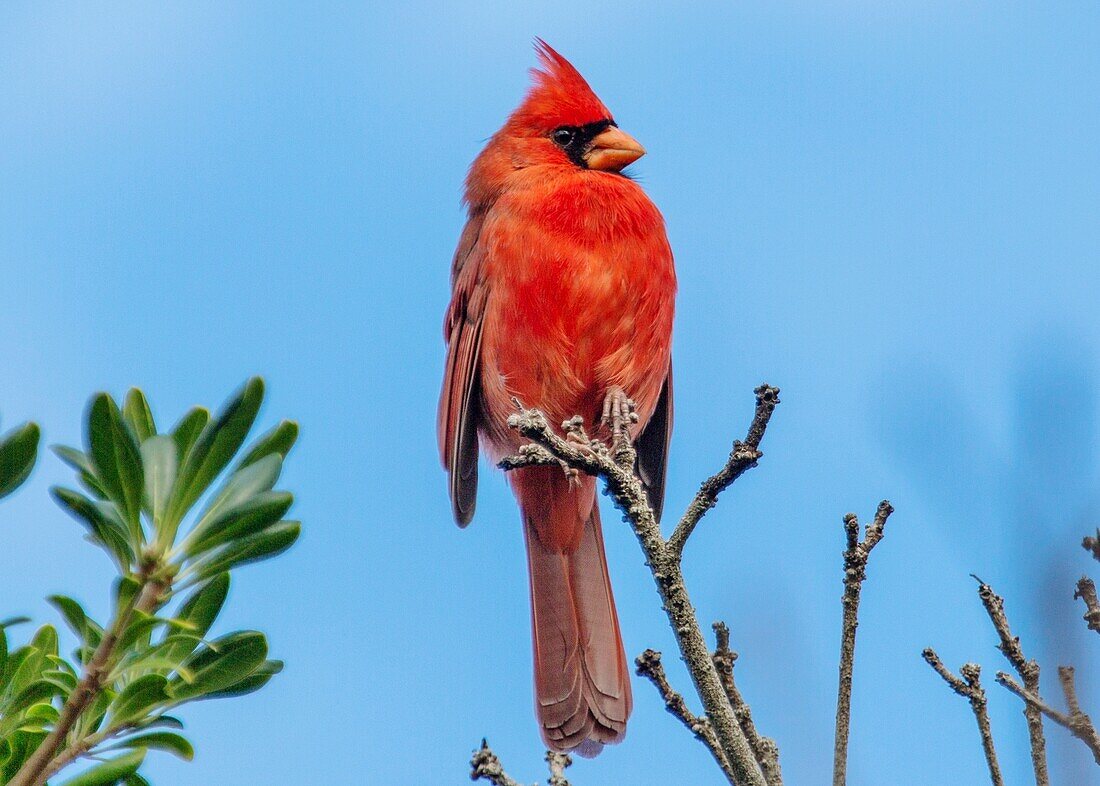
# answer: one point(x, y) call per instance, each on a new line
point(35, 769)
point(1086, 591)
point(1078, 723)
point(763, 748)
point(1092, 545)
point(855, 571)
point(1029, 672)
point(485, 765)
point(79, 749)
point(649, 666)
point(744, 456)
point(557, 762)
point(594, 458)
point(972, 691)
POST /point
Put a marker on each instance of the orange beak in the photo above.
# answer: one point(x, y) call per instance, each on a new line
point(612, 150)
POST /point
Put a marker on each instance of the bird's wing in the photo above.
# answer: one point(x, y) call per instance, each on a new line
point(458, 403)
point(652, 448)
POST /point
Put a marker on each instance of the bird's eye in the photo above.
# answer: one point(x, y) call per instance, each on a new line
point(563, 136)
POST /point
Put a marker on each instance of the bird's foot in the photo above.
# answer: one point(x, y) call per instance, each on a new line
point(574, 431)
point(619, 415)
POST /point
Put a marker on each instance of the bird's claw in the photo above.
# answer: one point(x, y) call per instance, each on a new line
point(618, 409)
point(574, 431)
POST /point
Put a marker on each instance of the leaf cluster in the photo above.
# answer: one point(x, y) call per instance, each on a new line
point(176, 512)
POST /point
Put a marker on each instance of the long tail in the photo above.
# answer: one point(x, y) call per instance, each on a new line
point(582, 686)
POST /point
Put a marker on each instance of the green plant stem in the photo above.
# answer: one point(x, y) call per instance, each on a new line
point(75, 751)
point(36, 768)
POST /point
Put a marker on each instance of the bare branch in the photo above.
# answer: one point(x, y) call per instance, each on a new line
point(486, 766)
point(763, 748)
point(37, 767)
point(743, 457)
point(855, 571)
point(1029, 672)
point(972, 691)
point(649, 666)
point(1092, 545)
point(595, 458)
point(557, 762)
point(1078, 723)
point(1086, 591)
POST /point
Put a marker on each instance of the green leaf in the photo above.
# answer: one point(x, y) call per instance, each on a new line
point(279, 440)
point(202, 607)
point(18, 451)
point(105, 527)
point(141, 625)
point(98, 711)
point(253, 548)
point(158, 456)
point(45, 640)
point(187, 431)
point(89, 632)
point(137, 413)
point(250, 684)
point(65, 681)
point(159, 740)
point(85, 470)
point(247, 518)
point(242, 486)
point(126, 590)
point(42, 714)
point(21, 745)
point(110, 772)
point(40, 690)
point(114, 451)
point(23, 666)
point(198, 613)
point(222, 663)
point(215, 447)
point(165, 721)
point(138, 698)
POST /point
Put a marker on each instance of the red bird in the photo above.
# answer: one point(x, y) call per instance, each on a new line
point(563, 295)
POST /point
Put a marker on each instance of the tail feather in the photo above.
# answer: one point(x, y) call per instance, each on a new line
point(582, 685)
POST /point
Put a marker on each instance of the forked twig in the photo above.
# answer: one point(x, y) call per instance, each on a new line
point(763, 748)
point(615, 464)
point(1077, 722)
point(1086, 591)
point(649, 666)
point(972, 691)
point(1029, 672)
point(855, 571)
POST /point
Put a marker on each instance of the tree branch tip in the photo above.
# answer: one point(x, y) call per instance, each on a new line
point(647, 662)
point(1092, 544)
point(971, 671)
point(766, 394)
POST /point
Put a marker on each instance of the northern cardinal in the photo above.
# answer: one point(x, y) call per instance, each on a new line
point(563, 293)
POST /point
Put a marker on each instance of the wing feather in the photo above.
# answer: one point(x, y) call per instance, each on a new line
point(459, 402)
point(652, 447)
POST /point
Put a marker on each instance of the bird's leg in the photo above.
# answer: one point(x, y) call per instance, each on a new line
point(618, 416)
point(575, 433)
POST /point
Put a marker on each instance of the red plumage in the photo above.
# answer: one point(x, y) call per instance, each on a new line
point(563, 288)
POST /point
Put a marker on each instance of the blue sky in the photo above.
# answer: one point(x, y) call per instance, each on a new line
point(887, 209)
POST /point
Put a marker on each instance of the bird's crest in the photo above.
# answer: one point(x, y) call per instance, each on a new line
point(559, 94)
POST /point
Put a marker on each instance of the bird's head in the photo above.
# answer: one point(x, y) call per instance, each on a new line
point(560, 122)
